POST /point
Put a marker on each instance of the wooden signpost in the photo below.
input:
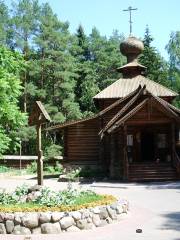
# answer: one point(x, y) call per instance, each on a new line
point(38, 117)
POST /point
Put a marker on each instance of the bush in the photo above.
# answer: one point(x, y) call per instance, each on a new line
point(4, 169)
point(52, 151)
point(32, 168)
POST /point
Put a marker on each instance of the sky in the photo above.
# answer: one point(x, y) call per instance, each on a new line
point(162, 17)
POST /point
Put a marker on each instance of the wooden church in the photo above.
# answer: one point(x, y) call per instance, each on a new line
point(135, 135)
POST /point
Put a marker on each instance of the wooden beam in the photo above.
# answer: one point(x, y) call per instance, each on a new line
point(128, 115)
point(165, 109)
point(119, 101)
point(123, 110)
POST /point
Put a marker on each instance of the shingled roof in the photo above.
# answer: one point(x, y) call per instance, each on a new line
point(124, 86)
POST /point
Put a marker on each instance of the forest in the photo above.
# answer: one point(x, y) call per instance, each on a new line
point(40, 59)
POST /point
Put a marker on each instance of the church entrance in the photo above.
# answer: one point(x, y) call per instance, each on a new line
point(147, 146)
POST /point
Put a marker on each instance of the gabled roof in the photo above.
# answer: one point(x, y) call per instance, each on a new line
point(101, 113)
point(124, 86)
point(133, 106)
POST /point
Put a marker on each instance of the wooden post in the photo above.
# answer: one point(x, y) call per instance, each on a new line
point(38, 117)
point(101, 147)
point(40, 156)
point(172, 142)
point(113, 155)
point(125, 160)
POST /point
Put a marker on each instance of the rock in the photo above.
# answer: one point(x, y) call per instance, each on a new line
point(96, 220)
point(85, 214)
point(19, 230)
point(34, 188)
point(112, 213)
point(73, 229)
point(17, 218)
point(125, 208)
point(2, 215)
point(90, 226)
point(30, 220)
point(50, 228)
point(9, 226)
point(76, 215)
point(2, 229)
point(89, 220)
point(56, 216)
point(32, 196)
point(103, 213)
point(66, 222)
point(9, 216)
point(109, 220)
point(36, 230)
point(119, 209)
point(45, 217)
point(114, 206)
point(82, 224)
point(96, 210)
point(103, 223)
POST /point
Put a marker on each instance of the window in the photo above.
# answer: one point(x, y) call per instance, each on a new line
point(130, 140)
point(161, 140)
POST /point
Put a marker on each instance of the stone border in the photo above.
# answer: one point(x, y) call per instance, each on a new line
point(56, 222)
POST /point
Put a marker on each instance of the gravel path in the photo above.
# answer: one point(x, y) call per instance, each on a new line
point(155, 208)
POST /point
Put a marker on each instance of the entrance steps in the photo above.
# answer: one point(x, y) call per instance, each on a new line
point(151, 172)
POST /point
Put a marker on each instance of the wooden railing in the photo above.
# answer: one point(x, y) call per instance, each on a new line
point(176, 162)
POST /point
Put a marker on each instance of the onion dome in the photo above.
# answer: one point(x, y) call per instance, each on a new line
point(132, 48)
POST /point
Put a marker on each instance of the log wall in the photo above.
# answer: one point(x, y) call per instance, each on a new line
point(82, 141)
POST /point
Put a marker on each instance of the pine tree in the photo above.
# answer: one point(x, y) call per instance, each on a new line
point(86, 85)
point(4, 24)
point(106, 57)
point(55, 67)
point(173, 48)
point(157, 67)
point(24, 24)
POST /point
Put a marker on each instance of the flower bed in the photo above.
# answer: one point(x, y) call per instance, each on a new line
point(38, 213)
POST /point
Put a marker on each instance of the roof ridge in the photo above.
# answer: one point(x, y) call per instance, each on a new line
point(160, 85)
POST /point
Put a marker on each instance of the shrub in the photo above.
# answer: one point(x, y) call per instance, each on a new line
point(32, 168)
point(4, 169)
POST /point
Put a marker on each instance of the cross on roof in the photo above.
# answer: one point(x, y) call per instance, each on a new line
point(130, 21)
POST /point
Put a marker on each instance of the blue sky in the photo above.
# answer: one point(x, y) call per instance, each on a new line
point(162, 17)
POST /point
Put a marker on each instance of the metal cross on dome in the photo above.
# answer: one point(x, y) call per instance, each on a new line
point(130, 20)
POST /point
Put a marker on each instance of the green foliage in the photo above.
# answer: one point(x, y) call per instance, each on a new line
point(11, 118)
point(157, 68)
point(65, 197)
point(4, 169)
point(32, 168)
point(21, 190)
point(49, 198)
point(73, 174)
point(52, 151)
point(173, 48)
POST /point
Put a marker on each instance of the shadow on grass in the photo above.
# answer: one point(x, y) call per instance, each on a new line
point(172, 221)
